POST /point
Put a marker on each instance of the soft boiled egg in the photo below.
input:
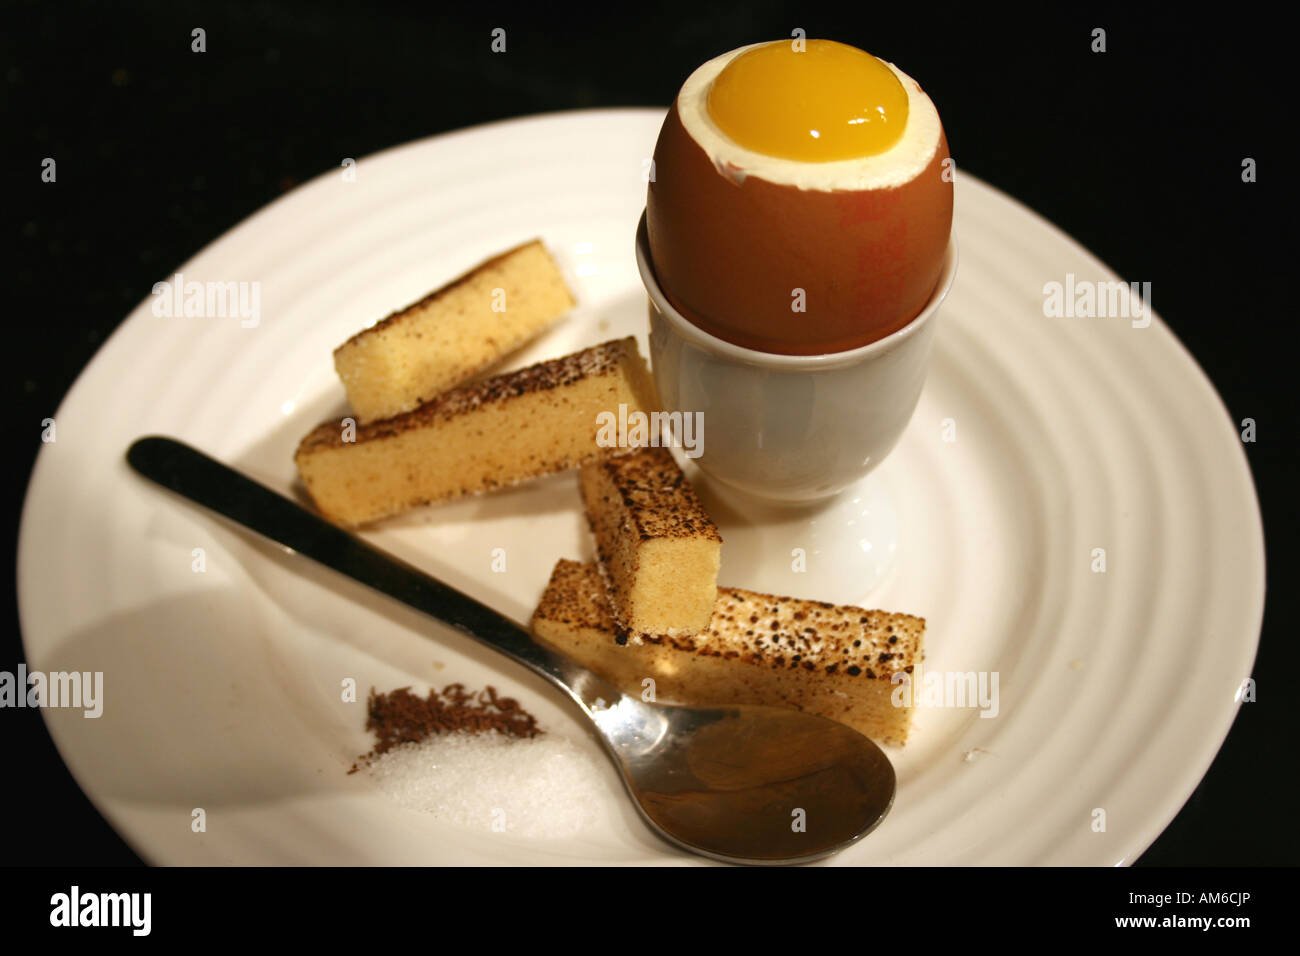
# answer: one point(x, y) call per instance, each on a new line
point(800, 201)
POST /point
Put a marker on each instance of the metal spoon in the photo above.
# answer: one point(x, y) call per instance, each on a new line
point(741, 784)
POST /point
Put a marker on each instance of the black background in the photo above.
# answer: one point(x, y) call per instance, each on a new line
point(1135, 152)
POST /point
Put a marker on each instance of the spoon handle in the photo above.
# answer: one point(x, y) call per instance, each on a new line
point(208, 482)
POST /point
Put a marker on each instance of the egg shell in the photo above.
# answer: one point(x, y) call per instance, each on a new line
point(730, 250)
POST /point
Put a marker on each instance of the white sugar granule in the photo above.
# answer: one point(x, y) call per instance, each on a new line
point(541, 787)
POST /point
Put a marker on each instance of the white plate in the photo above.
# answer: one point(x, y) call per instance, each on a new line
point(222, 687)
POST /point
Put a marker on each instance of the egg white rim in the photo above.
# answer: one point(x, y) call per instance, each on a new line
point(898, 165)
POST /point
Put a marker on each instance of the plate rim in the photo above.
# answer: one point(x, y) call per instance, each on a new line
point(1240, 464)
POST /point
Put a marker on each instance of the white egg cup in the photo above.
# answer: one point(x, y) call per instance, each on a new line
point(797, 435)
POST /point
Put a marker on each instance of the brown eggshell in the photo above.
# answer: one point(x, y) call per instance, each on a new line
point(730, 255)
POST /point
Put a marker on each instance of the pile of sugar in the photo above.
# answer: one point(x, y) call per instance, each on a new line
point(542, 787)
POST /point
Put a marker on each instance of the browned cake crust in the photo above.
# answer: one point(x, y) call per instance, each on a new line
point(659, 499)
point(401, 314)
point(834, 660)
point(599, 360)
point(491, 434)
point(453, 333)
point(657, 548)
point(576, 598)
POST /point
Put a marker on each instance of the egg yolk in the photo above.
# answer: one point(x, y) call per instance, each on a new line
point(826, 102)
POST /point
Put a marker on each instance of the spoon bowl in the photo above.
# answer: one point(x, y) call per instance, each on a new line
point(748, 784)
